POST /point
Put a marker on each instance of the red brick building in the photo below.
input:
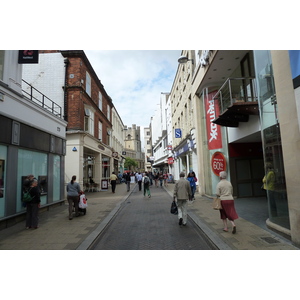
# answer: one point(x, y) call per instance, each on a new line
point(68, 77)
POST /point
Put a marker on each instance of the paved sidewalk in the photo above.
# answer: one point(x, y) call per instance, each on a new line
point(248, 237)
point(57, 232)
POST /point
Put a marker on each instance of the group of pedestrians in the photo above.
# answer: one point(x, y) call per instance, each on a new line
point(184, 190)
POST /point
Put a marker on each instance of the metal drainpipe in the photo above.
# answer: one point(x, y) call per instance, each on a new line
point(66, 61)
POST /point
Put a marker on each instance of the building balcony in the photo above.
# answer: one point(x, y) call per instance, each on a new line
point(40, 99)
point(237, 99)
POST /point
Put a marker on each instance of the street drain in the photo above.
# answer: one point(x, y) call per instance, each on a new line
point(270, 240)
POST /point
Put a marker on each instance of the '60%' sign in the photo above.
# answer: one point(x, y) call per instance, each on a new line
point(218, 163)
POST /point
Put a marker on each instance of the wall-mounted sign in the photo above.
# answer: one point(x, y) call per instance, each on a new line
point(177, 133)
point(28, 57)
point(218, 163)
point(170, 160)
point(213, 130)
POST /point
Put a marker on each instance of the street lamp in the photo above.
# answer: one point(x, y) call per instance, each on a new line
point(184, 59)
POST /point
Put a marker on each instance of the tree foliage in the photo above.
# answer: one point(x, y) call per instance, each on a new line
point(129, 163)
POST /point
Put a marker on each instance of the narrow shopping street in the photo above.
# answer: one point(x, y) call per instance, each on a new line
point(146, 224)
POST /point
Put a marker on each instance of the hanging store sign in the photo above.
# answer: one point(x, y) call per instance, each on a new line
point(28, 57)
point(170, 160)
point(218, 163)
point(213, 130)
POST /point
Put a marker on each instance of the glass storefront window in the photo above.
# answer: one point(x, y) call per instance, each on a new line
point(274, 168)
point(56, 177)
point(1, 64)
point(30, 162)
point(105, 167)
point(3, 155)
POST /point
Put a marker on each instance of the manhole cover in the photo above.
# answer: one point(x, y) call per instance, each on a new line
point(270, 240)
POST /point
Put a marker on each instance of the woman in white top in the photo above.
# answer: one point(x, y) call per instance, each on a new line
point(224, 192)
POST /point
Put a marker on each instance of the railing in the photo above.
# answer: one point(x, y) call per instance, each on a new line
point(39, 98)
point(235, 90)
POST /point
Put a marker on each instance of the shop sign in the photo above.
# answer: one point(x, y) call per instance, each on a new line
point(177, 133)
point(218, 163)
point(204, 58)
point(189, 145)
point(28, 57)
point(214, 136)
point(170, 160)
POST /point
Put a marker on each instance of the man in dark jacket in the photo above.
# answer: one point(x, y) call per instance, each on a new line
point(127, 178)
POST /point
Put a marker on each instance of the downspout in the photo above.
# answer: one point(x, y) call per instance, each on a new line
point(66, 61)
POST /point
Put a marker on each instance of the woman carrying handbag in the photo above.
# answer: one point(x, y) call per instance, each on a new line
point(224, 192)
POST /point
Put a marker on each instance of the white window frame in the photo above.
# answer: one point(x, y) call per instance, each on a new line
point(100, 130)
point(89, 120)
point(108, 112)
point(88, 85)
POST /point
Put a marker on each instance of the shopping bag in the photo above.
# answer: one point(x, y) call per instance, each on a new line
point(174, 209)
point(217, 203)
point(82, 202)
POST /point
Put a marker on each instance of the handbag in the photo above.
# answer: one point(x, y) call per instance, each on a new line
point(174, 209)
point(217, 203)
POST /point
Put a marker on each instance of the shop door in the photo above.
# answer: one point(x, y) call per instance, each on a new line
point(249, 174)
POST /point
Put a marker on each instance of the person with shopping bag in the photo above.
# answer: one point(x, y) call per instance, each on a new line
point(183, 193)
point(224, 192)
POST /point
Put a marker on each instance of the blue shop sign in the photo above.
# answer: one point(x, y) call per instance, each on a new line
point(189, 145)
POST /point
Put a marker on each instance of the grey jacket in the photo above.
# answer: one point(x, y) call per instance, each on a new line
point(73, 189)
point(182, 189)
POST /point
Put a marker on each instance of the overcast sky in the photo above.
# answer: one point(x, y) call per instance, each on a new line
point(135, 79)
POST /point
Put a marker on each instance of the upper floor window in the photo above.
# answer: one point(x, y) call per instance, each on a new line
point(88, 84)
point(89, 121)
point(100, 101)
point(100, 130)
point(108, 112)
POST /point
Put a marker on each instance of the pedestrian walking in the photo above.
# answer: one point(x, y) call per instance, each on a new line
point(224, 192)
point(146, 181)
point(192, 180)
point(161, 178)
point(113, 181)
point(182, 192)
point(165, 179)
point(73, 191)
point(139, 178)
point(32, 207)
point(156, 179)
point(127, 179)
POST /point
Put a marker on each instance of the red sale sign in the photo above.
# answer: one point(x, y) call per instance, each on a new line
point(218, 163)
point(214, 136)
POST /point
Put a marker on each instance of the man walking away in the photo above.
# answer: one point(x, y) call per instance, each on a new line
point(127, 178)
point(183, 192)
point(146, 181)
point(139, 179)
point(113, 181)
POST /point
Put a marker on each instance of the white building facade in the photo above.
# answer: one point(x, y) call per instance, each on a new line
point(34, 139)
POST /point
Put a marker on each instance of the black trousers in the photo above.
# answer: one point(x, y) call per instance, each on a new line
point(32, 219)
point(113, 185)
